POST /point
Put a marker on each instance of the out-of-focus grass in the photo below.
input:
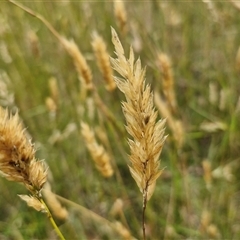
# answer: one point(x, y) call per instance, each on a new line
point(202, 43)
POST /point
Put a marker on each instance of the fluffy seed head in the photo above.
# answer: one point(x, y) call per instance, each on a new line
point(17, 154)
point(98, 153)
point(147, 133)
point(103, 61)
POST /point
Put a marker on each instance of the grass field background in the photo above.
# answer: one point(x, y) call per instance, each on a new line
point(197, 196)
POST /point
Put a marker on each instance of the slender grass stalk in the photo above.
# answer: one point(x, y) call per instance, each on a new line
point(51, 219)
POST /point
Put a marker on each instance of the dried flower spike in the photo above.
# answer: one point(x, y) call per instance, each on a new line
point(80, 62)
point(17, 154)
point(103, 61)
point(147, 134)
point(120, 15)
point(98, 153)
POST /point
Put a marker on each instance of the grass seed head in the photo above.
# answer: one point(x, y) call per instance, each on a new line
point(147, 134)
point(17, 154)
point(103, 61)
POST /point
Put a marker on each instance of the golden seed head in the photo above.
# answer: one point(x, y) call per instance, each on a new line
point(80, 62)
point(120, 15)
point(17, 154)
point(102, 56)
point(98, 153)
point(147, 133)
point(53, 203)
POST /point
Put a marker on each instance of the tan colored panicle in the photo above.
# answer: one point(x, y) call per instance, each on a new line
point(50, 104)
point(103, 61)
point(213, 93)
point(175, 125)
point(212, 9)
point(57, 209)
point(17, 154)
point(120, 15)
point(98, 153)
point(53, 87)
point(6, 95)
point(34, 43)
point(80, 62)
point(33, 202)
point(167, 80)
point(147, 133)
point(123, 231)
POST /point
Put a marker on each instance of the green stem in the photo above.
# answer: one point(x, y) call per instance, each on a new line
point(143, 213)
point(52, 220)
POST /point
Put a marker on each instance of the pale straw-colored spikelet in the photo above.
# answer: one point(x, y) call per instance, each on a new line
point(212, 127)
point(224, 172)
point(17, 154)
point(98, 153)
point(212, 10)
point(54, 91)
point(206, 219)
point(51, 105)
point(90, 108)
point(57, 209)
point(103, 61)
point(80, 62)
point(147, 134)
point(167, 80)
point(6, 95)
point(33, 202)
point(4, 53)
point(224, 98)
point(207, 227)
point(117, 207)
point(33, 43)
point(175, 125)
point(120, 15)
point(102, 135)
point(123, 231)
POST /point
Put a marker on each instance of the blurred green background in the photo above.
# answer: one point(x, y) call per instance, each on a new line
point(197, 197)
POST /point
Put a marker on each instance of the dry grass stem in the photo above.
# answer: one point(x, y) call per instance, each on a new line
point(17, 154)
point(121, 15)
point(98, 153)
point(80, 62)
point(103, 61)
point(148, 135)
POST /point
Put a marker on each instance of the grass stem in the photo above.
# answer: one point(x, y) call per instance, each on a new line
point(52, 220)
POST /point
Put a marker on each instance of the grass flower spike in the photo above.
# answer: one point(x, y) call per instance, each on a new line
point(17, 154)
point(147, 134)
point(18, 162)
